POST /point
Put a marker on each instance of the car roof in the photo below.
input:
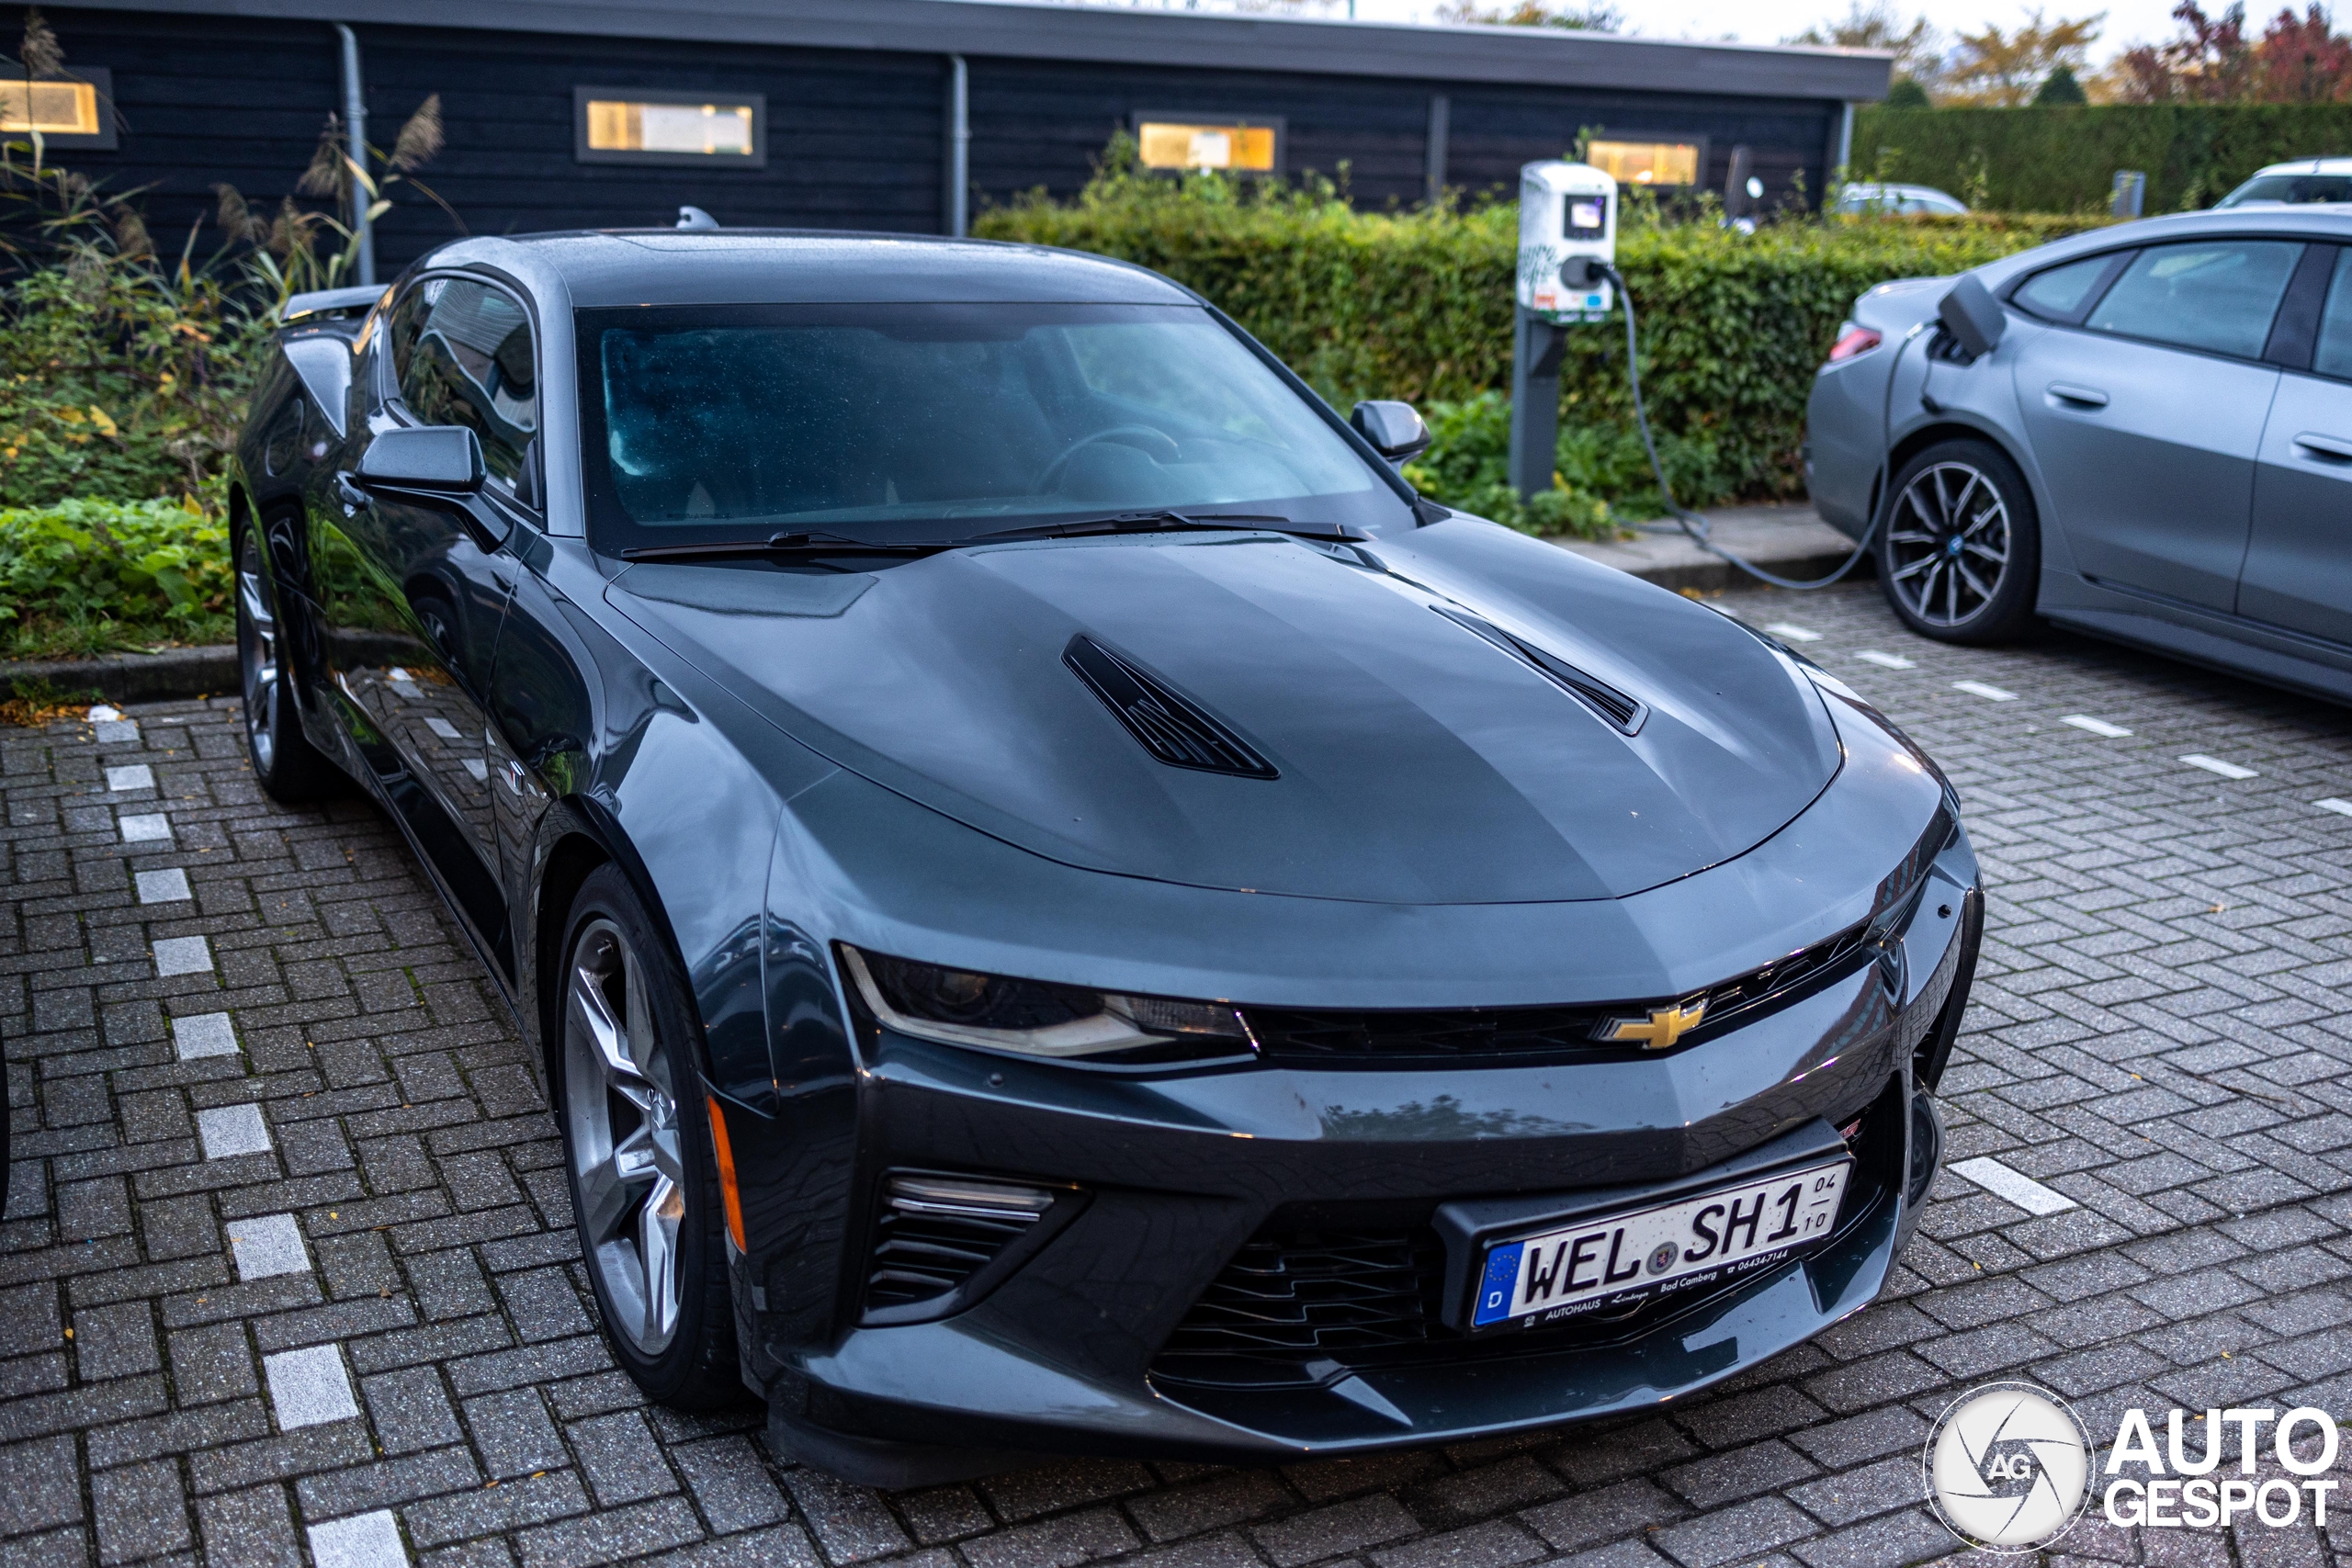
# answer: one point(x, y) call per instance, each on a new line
point(733, 266)
point(2306, 166)
point(2308, 220)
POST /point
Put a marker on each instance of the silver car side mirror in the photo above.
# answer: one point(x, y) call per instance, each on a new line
point(1395, 429)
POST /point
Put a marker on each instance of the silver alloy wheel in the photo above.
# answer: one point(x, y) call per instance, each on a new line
point(256, 650)
point(621, 1112)
point(1948, 538)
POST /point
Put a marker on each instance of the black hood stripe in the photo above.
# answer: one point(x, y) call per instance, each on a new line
point(1620, 712)
point(1172, 728)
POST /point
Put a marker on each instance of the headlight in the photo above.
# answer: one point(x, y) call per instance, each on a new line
point(1037, 1017)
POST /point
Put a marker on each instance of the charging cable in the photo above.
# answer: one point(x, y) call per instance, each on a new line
point(1692, 523)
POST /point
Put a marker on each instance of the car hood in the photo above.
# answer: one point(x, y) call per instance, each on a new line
point(1416, 760)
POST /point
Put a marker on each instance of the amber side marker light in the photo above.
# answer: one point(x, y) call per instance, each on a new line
point(727, 1192)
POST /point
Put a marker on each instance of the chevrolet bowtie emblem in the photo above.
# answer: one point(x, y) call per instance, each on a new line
point(1659, 1030)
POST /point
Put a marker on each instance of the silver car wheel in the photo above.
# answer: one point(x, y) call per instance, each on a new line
point(621, 1115)
point(256, 651)
point(1948, 539)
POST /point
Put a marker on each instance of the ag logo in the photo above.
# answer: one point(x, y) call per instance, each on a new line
point(2008, 1467)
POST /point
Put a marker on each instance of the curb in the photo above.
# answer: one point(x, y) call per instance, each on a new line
point(1714, 576)
point(129, 677)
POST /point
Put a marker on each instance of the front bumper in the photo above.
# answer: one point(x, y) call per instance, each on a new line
point(1096, 1342)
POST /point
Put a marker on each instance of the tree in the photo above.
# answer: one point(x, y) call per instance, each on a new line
point(1594, 16)
point(1919, 49)
point(2298, 60)
point(1998, 70)
point(1903, 93)
point(2060, 89)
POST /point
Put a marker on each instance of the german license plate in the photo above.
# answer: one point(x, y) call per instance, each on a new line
point(1617, 1260)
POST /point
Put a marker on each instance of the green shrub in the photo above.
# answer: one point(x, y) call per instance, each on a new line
point(85, 576)
point(1418, 305)
point(2064, 159)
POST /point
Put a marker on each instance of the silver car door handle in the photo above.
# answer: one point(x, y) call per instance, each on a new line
point(2086, 397)
point(2325, 445)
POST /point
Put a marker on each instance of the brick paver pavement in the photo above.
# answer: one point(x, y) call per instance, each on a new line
point(286, 1264)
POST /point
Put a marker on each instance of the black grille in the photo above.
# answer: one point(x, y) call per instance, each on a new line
point(1451, 1033)
point(1317, 1293)
point(935, 1234)
point(1624, 712)
point(1171, 728)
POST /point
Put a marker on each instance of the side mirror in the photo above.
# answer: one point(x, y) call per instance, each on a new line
point(1395, 429)
point(443, 458)
point(1973, 317)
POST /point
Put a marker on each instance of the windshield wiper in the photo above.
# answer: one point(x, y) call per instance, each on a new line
point(1168, 521)
point(789, 543)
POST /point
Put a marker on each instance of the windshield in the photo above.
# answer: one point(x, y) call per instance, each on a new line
point(933, 421)
point(2294, 188)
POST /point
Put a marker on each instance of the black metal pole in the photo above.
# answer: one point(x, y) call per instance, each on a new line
point(1534, 402)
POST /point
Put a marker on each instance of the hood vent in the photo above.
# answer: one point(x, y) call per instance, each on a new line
point(1620, 712)
point(1171, 728)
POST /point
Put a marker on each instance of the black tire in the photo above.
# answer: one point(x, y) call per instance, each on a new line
point(290, 769)
point(1959, 545)
point(637, 1153)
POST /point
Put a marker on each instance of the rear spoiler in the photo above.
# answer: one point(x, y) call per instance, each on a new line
point(323, 302)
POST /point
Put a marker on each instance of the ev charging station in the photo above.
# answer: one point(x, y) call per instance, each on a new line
point(1568, 232)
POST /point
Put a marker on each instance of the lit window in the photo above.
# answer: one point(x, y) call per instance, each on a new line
point(1184, 141)
point(76, 112)
point(1645, 162)
point(629, 125)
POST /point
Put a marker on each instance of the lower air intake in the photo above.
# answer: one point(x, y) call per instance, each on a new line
point(940, 1241)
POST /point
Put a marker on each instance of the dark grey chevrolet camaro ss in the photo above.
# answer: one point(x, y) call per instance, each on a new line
point(1062, 907)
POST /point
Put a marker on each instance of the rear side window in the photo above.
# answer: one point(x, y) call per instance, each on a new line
point(2292, 189)
point(469, 362)
point(2060, 294)
point(2332, 355)
point(2214, 294)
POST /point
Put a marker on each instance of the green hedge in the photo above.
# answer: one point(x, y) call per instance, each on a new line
point(2063, 160)
point(1418, 306)
point(86, 576)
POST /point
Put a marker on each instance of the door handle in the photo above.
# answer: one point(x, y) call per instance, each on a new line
point(2319, 446)
point(2082, 397)
point(351, 495)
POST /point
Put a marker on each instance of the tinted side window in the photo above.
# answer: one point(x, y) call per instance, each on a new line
point(2059, 294)
point(2216, 295)
point(400, 329)
point(2333, 354)
point(472, 365)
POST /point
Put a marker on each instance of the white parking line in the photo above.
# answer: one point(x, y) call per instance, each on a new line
point(204, 1034)
point(2215, 765)
point(115, 731)
point(266, 1245)
point(183, 955)
point(442, 727)
point(1885, 661)
point(1792, 632)
point(2096, 726)
point(364, 1541)
point(2341, 807)
point(1990, 693)
point(166, 886)
point(309, 1388)
point(135, 775)
point(227, 1130)
point(146, 828)
point(2019, 1189)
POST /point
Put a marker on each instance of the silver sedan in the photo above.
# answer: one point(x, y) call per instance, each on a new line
point(2143, 432)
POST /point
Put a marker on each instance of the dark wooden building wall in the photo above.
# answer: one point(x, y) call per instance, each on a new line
point(1044, 123)
point(855, 138)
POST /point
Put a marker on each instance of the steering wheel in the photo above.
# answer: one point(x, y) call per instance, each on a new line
point(1158, 445)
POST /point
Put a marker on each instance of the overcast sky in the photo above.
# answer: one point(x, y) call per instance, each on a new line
point(1769, 21)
